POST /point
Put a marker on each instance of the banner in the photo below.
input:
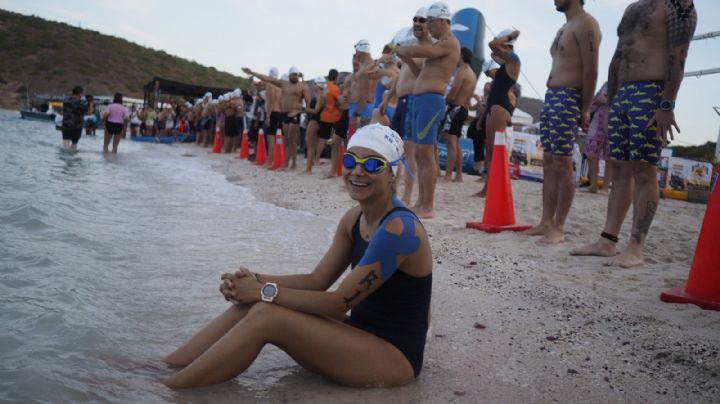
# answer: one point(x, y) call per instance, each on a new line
point(687, 174)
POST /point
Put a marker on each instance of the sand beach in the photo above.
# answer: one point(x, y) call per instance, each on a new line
point(514, 321)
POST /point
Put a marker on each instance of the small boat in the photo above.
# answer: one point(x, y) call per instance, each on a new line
point(181, 137)
point(36, 115)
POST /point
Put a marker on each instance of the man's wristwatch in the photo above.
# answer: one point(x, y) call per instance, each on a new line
point(269, 292)
point(667, 105)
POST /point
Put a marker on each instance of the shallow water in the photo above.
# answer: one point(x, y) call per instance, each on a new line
point(107, 263)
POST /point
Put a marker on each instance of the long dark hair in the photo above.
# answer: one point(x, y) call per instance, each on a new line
point(117, 99)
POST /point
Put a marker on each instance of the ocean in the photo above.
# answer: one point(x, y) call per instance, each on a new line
point(109, 262)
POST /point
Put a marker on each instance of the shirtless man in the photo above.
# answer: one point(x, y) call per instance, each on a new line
point(361, 91)
point(571, 86)
point(458, 103)
point(441, 59)
point(643, 81)
point(403, 90)
point(293, 94)
point(384, 71)
point(273, 108)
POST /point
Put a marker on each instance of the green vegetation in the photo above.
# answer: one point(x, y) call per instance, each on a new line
point(704, 152)
point(45, 56)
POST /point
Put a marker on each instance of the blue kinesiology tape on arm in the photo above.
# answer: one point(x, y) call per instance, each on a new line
point(385, 247)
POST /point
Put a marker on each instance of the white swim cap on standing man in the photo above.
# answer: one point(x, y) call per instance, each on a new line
point(439, 10)
point(274, 72)
point(363, 46)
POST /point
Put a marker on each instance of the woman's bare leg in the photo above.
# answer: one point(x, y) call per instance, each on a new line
point(335, 350)
point(206, 337)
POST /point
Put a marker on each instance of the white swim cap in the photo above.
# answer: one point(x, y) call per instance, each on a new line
point(188, 104)
point(294, 70)
point(208, 95)
point(274, 72)
point(422, 12)
point(439, 10)
point(320, 81)
point(363, 46)
point(285, 77)
point(506, 33)
point(237, 93)
point(382, 140)
point(214, 102)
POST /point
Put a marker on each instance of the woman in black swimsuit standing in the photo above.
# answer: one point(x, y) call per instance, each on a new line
point(314, 144)
point(499, 107)
point(388, 292)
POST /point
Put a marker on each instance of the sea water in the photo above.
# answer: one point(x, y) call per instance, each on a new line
point(109, 262)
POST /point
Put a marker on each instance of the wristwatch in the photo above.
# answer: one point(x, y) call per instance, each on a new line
point(667, 105)
point(269, 292)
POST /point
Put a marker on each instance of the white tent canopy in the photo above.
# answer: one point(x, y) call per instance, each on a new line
point(521, 118)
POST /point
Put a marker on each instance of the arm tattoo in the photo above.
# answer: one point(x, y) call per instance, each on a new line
point(350, 299)
point(681, 21)
point(643, 225)
point(369, 279)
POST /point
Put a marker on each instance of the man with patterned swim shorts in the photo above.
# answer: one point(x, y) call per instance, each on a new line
point(643, 82)
point(428, 105)
point(571, 86)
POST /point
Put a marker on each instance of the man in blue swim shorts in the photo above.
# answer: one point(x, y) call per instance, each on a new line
point(428, 99)
point(643, 82)
point(571, 86)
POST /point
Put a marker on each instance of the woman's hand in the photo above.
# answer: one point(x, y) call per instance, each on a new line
point(241, 287)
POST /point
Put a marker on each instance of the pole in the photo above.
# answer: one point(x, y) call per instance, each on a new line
point(705, 72)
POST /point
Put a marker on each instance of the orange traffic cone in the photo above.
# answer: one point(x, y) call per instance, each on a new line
point(278, 151)
point(499, 214)
point(703, 285)
point(244, 147)
point(341, 153)
point(217, 143)
point(260, 149)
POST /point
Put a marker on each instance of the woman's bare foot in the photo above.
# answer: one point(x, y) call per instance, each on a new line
point(424, 213)
point(600, 248)
point(552, 236)
point(539, 230)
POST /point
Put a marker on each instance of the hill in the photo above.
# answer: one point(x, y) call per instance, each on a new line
point(50, 58)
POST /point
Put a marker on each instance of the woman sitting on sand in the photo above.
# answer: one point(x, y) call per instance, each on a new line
point(381, 343)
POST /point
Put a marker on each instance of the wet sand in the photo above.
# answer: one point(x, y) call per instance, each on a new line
point(516, 322)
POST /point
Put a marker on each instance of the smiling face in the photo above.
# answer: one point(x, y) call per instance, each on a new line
point(419, 27)
point(364, 186)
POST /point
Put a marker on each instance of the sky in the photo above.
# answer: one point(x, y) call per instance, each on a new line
point(318, 35)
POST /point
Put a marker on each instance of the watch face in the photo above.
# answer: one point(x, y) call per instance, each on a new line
point(269, 290)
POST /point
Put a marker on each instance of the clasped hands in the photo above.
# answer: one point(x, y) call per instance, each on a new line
point(241, 287)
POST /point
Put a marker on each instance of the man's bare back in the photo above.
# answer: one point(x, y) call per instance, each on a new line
point(464, 86)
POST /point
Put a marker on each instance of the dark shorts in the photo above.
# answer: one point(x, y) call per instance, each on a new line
point(275, 123)
point(291, 120)
point(402, 118)
point(72, 134)
point(427, 112)
point(325, 130)
point(455, 117)
point(559, 118)
point(478, 138)
point(113, 128)
point(630, 111)
point(341, 126)
point(207, 123)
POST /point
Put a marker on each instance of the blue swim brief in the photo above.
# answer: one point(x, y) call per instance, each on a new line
point(366, 113)
point(631, 110)
point(428, 112)
point(560, 116)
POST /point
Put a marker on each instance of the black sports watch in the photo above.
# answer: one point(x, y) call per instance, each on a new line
point(667, 105)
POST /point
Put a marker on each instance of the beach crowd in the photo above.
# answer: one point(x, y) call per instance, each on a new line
point(422, 87)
